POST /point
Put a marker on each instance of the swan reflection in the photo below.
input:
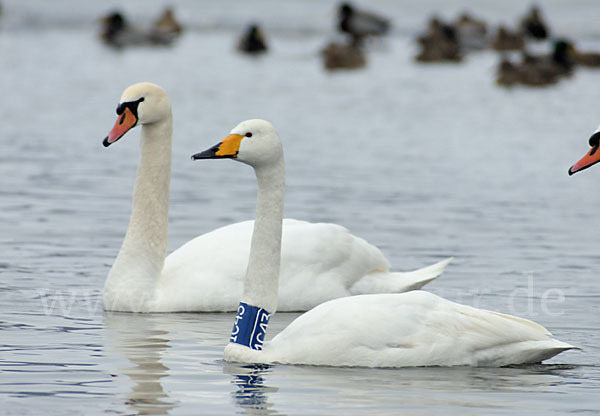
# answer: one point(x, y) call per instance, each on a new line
point(251, 394)
point(142, 342)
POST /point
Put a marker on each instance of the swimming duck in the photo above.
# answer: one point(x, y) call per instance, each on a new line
point(471, 33)
point(439, 44)
point(382, 330)
point(360, 24)
point(166, 25)
point(533, 24)
point(343, 56)
point(508, 73)
point(507, 40)
point(320, 261)
point(253, 41)
point(537, 70)
point(113, 25)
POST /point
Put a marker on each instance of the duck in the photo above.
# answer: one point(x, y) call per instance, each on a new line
point(439, 44)
point(537, 70)
point(253, 41)
point(360, 24)
point(558, 63)
point(320, 261)
point(337, 55)
point(113, 26)
point(166, 25)
point(507, 40)
point(508, 73)
point(591, 157)
point(472, 33)
point(409, 329)
point(534, 26)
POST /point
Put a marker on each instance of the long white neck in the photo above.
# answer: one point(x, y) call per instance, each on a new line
point(262, 276)
point(131, 282)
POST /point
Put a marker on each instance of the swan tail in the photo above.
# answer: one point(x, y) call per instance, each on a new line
point(398, 282)
point(534, 352)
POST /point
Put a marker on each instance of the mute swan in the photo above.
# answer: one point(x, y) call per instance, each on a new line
point(319, 261)
point(385, 330)
point(591, 158)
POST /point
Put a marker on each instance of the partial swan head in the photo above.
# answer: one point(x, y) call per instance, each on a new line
point(141, 103)
point(254, 142)
point(591, 157)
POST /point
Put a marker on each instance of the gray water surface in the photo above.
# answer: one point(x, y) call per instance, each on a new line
point(425, 162)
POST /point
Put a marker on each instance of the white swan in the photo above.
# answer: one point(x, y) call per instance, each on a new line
point(386, 330)
point(319, 261)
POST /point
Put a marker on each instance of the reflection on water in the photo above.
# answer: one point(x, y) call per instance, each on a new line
point(251, 394)
point(136, 338)
point(268, 390)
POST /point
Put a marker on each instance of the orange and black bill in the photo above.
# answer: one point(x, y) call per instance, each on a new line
point(128, 118)
point(227, 148)
point(591, 158)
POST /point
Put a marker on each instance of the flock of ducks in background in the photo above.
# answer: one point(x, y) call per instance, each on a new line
point(118, 32)
point(358, 313)
point(441, 42)
point(347, 54)
point(450, 42)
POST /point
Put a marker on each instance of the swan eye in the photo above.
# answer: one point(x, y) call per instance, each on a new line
point(248, 134)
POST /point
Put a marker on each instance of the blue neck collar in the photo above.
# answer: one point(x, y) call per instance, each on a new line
point(250, 326)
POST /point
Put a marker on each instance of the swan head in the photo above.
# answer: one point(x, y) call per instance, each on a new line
point(141, 103)
point(592, 157)
point(254, 142)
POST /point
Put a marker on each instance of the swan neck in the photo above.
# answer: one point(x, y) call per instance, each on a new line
point(141, 258)
point(262, 276)
point(150, 208)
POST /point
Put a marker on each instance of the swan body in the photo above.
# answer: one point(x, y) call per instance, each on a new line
point(403, 330)
point(377, 330)
point(319, 261)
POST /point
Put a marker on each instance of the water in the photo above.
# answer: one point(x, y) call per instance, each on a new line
point(425, 162)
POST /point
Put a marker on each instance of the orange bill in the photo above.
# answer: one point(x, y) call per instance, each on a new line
point(126, 121)
point(591, 158)
point(227, 148)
